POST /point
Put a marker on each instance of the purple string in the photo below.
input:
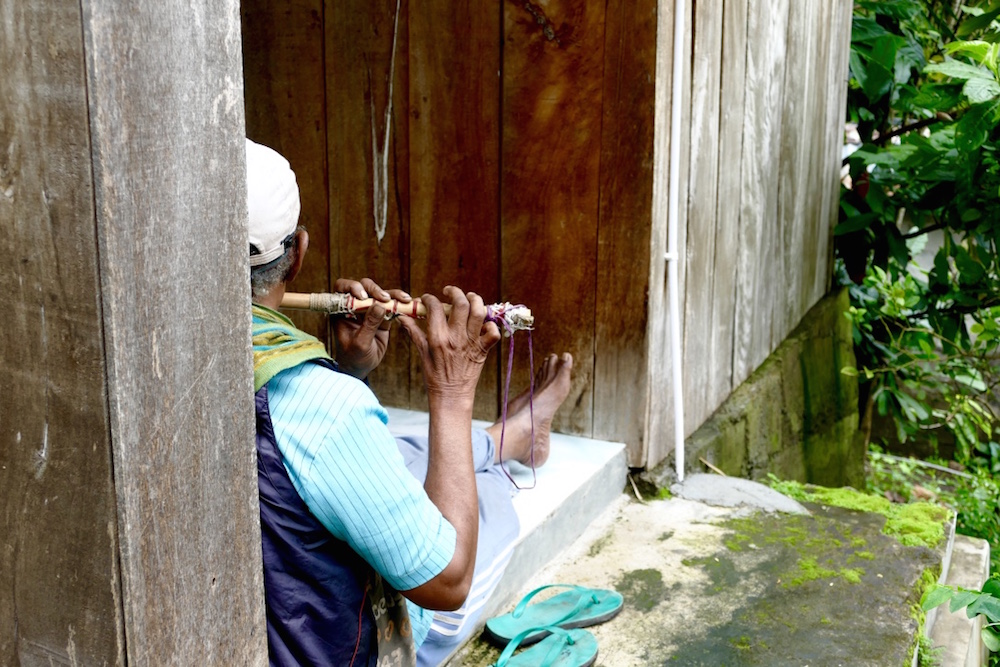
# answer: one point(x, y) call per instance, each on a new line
point(498, 317)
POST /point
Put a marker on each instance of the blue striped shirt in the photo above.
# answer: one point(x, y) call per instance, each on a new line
point(344, 463)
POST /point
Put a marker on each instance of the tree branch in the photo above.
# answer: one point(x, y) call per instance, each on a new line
point(925, 230)
point(919, 125)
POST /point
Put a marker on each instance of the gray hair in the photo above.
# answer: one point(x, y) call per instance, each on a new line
point(265, 278)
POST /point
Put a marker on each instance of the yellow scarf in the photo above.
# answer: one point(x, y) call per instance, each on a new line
point(278, 345)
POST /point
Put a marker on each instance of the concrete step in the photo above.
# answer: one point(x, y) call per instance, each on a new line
point(581, 479)
point(958, 636)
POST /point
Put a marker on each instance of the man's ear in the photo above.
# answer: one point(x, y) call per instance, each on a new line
point(301, 245)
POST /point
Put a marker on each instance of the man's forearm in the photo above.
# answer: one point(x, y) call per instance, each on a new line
point(451, 486)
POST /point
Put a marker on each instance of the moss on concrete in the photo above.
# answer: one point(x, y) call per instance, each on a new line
point(642, 589)
point(599, 544)
point(816, 576)
point(914, 524)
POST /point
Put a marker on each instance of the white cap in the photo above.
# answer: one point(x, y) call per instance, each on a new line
point(272, 203)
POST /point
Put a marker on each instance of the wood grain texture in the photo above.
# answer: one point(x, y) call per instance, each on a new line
point(626, 184)
point(683, 247)
point(732, 104)
point(816, 204)
point(61, 599)
point(285, 93)
point(367, 68)
point(658, 422)
point(454, 164)
point(840, 44)
point(166, 106)
point(794, 166)
point(553, 62)
point(757, 286)
point(702, 211)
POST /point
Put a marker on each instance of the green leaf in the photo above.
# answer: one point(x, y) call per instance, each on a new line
point(961, 599)
point(936, 596)
point(854, 224)
point(991, 639)
point(974, 24)
point(879, 74)
point(970, 270)
point(864, 29)
point(981, 90)
point(987, 605)
point(912, 408)
point(974, 128)
point(936, 97)
point(957, 69)
point(992, 587)
point(909, 57)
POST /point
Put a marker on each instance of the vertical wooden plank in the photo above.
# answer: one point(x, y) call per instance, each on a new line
point(702, 210)
point(454, 153)
point(285, 97)
point(659, 419)
point(795, 159)
point(837, 74)
point(758, 230)
point(732, 104)
point(683, 248)
point(815, 215)
point(626, 182)
point(552, 100)
point(770, 267)
point(367, 92)
point(61, 599)
point(164, 82)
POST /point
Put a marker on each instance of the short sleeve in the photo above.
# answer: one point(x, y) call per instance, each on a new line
point(344, 463)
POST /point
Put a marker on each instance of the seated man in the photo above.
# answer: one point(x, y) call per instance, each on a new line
point(353, 521)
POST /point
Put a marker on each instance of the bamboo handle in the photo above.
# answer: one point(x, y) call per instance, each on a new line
point(342, 304)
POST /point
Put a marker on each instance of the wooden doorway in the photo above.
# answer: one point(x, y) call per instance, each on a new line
point(505, 148)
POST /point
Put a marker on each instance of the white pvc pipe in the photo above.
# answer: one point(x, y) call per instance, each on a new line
point(673, 252)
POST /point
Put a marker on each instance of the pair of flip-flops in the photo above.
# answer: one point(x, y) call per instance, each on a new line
point(552, 626)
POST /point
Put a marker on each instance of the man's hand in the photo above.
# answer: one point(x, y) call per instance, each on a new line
point(453, 352)
point(361, 344)
point(454, 348)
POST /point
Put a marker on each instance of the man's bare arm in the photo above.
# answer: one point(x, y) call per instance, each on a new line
point(452, 352)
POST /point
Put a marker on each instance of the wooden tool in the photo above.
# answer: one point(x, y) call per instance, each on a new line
point(513, 317)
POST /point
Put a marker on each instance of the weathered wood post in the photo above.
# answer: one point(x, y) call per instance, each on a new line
point(128, 502)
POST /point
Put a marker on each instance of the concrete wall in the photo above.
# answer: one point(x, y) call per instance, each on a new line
point(796, 416)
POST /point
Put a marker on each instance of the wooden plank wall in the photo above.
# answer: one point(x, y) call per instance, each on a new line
point(164, 84)
point(58, 528)
point(552, 102)
point(518, 160)
point(129, 520)
point(624, 232)
point(454, 154)
point(286, 110)
point(366, 83)
point(509, 163)
point(767, 112)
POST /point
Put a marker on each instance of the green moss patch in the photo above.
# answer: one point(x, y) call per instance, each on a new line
point(790, 589)
point(914, 524)
point(642, 589)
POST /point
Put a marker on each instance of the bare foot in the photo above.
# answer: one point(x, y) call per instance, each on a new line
point(552, 384)
point(544, 375)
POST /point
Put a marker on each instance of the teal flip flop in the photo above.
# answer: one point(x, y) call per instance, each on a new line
point(578, 607)
point(560, 648)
